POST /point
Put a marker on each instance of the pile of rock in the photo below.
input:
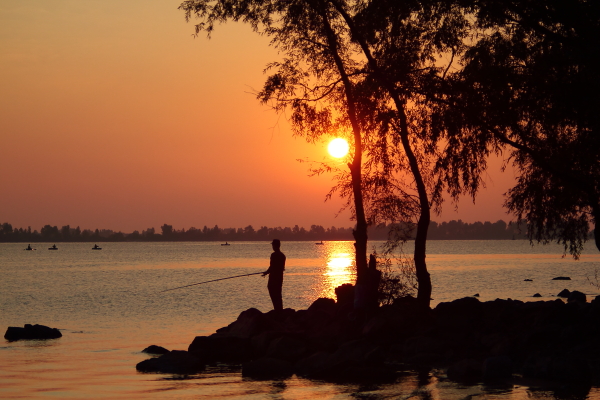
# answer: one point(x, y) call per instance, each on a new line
point(31, 332)
point(475, 341)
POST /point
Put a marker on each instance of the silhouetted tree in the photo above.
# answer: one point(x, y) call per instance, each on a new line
point(530, 81)
point(50, 233)
point(366, 69)
point(167, 231)
point(65, 232)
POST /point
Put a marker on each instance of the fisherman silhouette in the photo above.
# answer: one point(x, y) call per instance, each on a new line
point(275, 272)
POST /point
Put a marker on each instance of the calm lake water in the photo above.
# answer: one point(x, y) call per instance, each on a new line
point(108, 307)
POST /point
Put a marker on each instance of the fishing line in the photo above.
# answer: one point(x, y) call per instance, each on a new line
point(214, 280)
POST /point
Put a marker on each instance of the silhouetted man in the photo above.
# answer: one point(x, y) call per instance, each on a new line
point(275, 272)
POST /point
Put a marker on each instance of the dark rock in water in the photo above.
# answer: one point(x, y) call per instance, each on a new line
point(345, 294)
point(315, 365)
point(175, 362)
point(497, 368)
point(558, 368)
point(221, 348)
point(576, 296)
point(561, 278)
point(154, 349)
point(564, 293)
point(355, 361)
point(278, 318)
point(528, 280)
point(248, 324)
point(569, 369)
point(287, 348)
point(467, 370)
point(31, 332)
point(376, 326)
point(324, 305)
point(537, 295)
point(459, 311)
point(267, 368)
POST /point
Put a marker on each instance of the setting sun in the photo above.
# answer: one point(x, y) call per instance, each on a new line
point(338, 147)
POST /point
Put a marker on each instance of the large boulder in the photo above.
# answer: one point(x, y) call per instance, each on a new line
point(345, 295)
point(497, 368)
point(324, 305)
point(314, 366)
point(249, 323)
point(287, 348)
point(466, 370)
point(564, 293)
point(576, 296)
point(558, 369)
point(464, 306)
point(221, 348)
point(175, 362)
point(31, 332)
point(154, 349)
point(267, 368)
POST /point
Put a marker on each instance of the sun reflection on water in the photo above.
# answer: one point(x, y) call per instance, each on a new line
point(339, 269)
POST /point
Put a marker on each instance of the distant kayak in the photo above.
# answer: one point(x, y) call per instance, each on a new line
point(225, 244)
point(53, 247)
point(320, 243)
point(29, 247)
point(96, 247)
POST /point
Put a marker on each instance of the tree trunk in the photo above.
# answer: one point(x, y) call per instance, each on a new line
point(360, 233)
point(423, 277)
point(596, 215)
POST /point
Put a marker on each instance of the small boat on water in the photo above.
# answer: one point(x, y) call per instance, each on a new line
point(29, 247)
point(96, 247)
point(225, 244)
point(53, 247)
point(320, 243)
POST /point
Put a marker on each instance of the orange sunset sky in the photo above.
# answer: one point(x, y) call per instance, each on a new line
point(114, 116)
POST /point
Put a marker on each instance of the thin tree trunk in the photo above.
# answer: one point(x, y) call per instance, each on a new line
point(360, 233)
point(596, 216)
point(423, 277)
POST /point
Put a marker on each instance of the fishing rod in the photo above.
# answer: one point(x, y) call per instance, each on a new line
point(214, 280)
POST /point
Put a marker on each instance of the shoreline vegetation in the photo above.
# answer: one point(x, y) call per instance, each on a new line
point(452, 230)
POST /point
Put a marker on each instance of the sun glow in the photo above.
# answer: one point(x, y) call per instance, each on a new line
point(338, 148)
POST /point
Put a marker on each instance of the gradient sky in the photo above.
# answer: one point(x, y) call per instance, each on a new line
point(113, 116)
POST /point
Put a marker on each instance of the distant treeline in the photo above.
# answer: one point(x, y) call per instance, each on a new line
point(453, 230)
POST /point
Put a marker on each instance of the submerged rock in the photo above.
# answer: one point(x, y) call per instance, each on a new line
point(221, 348)
point(576, 295)
point(564, 293)
point(174, 362)
point(154, 349)
point(31, 332)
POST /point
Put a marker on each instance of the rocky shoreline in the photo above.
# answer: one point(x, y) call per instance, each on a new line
point(472, 341)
